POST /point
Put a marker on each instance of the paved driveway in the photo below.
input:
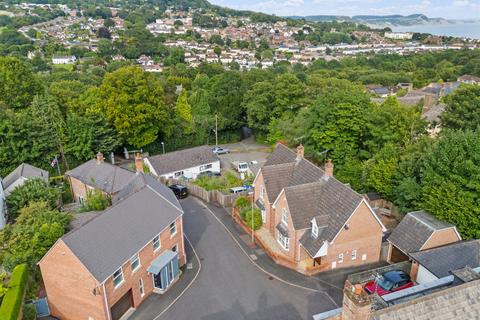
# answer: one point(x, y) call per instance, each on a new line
point(229, 286)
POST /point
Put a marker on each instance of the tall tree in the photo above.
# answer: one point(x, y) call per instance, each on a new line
point(463, 109)
point(183, 113)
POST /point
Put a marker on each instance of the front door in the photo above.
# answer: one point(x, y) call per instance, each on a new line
point(158, 280)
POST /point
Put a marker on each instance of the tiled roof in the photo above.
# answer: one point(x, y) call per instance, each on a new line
point(442, 260)
point(281, 154)
point(414, 230)
point(26, 171)
point(182, 159)
point(107, 241)
point(102, 175)
point(460, 302)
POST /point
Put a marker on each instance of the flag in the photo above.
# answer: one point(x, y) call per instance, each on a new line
point(54, 162)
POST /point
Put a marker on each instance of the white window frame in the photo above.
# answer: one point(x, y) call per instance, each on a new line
point(135, 258)
point(340, 258)
point(156, 240)
point(173, 226)
point(141, 287)
point(178, 174)
point(116, 285)
point(354, 254)
point(283, 241)
point(206, 167)
point(314, 230)
point(285, 216)
point(262, 192)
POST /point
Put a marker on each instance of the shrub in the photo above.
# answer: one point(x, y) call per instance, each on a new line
point(242, 203)
point(13, 300)
point(96, 201)
point(257, 219)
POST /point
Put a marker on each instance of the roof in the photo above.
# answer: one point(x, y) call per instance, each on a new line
point(442, 260)
point(26, 171)
point(467, 77)
point(414, 230)
point(161, 261)
point(102, 175)
point(433, 114)
point(460, 302)
point(182, 159)
point(109, 240)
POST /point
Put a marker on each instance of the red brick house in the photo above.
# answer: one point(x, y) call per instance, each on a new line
point(98, 174)
point(108, 266)
point(311, 221)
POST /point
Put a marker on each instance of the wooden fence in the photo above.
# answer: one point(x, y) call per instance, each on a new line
point(213, 196)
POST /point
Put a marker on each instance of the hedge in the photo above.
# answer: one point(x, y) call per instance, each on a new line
point(13, 299)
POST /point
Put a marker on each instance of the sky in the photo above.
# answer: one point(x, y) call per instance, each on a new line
point(449, 9)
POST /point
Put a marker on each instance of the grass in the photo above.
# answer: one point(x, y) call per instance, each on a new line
point(228, 180)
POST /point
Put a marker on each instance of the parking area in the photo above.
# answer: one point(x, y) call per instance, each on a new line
point(244, 151)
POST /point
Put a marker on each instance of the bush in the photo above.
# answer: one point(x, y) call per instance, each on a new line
point(96, 201)
point(242, 203)
point(223, 183)
point(13, 300)
point(257, 219)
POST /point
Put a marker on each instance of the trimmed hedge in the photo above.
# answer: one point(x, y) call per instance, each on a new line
point(13, 299)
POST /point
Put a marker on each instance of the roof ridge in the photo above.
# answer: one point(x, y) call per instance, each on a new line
point(426, 223)
point(158, 193)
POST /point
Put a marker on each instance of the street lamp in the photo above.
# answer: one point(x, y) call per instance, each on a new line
point(252, 193)
point(163, 147)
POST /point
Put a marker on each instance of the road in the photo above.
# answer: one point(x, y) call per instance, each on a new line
point(229, 285)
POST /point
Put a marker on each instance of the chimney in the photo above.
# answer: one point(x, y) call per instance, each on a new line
point(357, 304)
point(329, 168)
point(300, 151)
point(138, 163)
point(100, 157)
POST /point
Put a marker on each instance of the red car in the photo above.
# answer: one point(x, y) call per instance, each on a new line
point(389, 282)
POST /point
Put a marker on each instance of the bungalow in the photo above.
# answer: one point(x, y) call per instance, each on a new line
point(21, 174)
point(419, 231)
point(469, 79)
point(311, 221)
point(188, 163)
point(97, 174)
point(64, 59)
point(108, 266)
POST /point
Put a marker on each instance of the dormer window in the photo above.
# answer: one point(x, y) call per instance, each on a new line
point(285, 216)
point(314, 229)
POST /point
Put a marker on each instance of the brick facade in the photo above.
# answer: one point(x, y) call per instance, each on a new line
point(441, 237)
point(70, 287)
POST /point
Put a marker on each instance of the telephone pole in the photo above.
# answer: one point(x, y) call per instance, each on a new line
point(216, 130)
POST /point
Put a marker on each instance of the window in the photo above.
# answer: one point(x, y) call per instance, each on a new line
point(156, 243)
point(140, 285)
point(117, 278)
point(314, 229)
point(284, 216)
point(178, 174)
point(262, 192)
point(81, 200)
point(340, 258)
point(354, 254)
point(135, 262)
point(175, 248)
point(173, 229)
point(364, 257)
point(284, 241)
point(206, 167)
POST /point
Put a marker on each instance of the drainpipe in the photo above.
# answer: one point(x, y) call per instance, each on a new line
point(106, 302)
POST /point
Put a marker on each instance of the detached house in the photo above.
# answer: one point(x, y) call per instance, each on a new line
point(21, 174)
point(108, 266)
point(311, 221)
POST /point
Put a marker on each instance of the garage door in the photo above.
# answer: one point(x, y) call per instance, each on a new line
point(122, 305)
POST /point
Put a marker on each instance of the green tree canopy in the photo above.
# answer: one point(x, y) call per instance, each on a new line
point(463, 109)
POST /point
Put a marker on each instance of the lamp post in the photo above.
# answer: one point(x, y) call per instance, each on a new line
point(163, 147)
point(252, 193)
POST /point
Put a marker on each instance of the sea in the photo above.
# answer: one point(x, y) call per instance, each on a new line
point(459, 29)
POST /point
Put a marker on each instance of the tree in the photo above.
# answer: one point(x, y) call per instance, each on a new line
point(257, 219)
point(18, 84)
point(34, 190)
point(463, 109)
point(103, 32)
point(96, 201)
point(183, 113)
point(217, 50)
point(132, 100)
point(37, 228)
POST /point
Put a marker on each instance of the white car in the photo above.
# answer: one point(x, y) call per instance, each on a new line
point(220, 150)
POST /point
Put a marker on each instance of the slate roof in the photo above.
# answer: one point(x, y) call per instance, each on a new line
point(182, 159)
point(414, 230)
point(102, 175)
point(107, 241)
point(460, 302)
point(26, 171)
point(442, 260)
point(282, 154)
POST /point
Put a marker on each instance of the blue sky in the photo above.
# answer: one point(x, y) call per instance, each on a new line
point(452, 9)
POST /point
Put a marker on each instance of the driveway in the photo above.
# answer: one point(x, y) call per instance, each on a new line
point(229, 285)
point(245, 151)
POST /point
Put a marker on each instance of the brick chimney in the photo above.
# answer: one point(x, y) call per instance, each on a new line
point(357, 304)
point(100, 157)
point(300, 151)
point(329, 168)
point(138, 163)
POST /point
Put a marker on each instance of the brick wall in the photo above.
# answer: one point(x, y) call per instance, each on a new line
point(259, 183)
point(280, 205)
point(79, 189)
point(440, 238)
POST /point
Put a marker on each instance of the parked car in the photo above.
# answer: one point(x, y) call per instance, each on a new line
point(208, 174)
point(389, 282)
point(220, 150)
point(240, 189)
point(179, 191)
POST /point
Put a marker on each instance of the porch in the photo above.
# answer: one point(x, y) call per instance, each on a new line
point(165, 271)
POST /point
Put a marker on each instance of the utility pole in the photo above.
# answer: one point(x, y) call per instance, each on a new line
point(163, 147)
point(216, 130)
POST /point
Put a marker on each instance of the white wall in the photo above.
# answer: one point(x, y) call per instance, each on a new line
point(424, 276)
point(190, 173)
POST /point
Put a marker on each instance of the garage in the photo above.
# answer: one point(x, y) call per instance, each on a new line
point(122, 305)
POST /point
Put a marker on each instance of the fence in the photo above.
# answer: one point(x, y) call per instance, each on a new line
point(365, 276)
point(212, 196)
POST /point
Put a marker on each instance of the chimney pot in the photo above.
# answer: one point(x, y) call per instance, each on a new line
point(329, 168)
point(300, 151)
point(138, 163)
point(100, 157)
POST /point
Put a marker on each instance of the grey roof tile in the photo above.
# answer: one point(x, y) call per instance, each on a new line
point(27, 171)
point(414, 230)
point(182, 159)
point(442, 260)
